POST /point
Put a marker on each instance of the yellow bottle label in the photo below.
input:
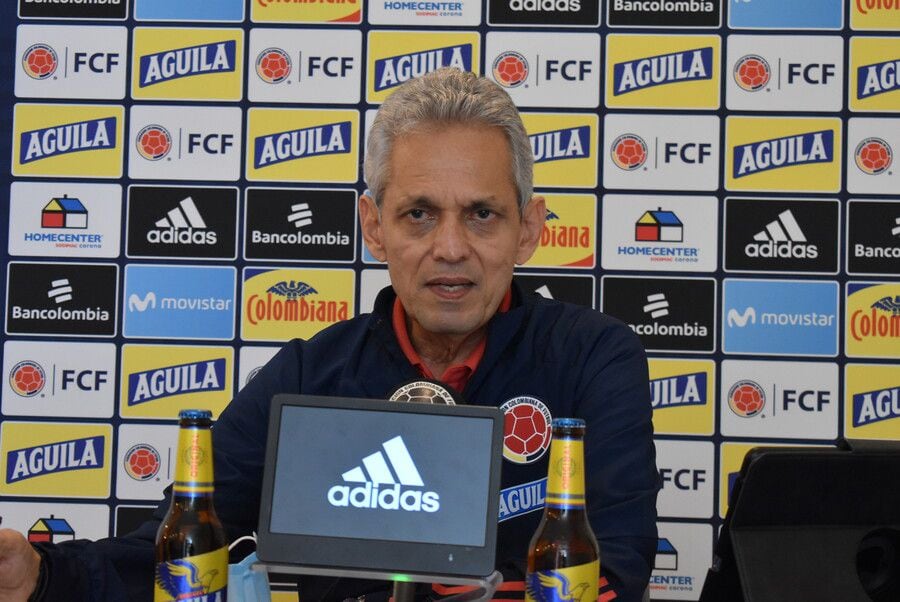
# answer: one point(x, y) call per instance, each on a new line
point(201, 578)
point(194, 463)
point(565, 478)
point(578, 583)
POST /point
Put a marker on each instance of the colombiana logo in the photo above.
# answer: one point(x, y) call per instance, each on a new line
point(629, 152)
point(273, 65)
point(39, 61)
point(27, 378)
point(526, 429)
point(142, 462)
point(752, 73)
point(406, 492)
point(510, 69)
point(874, 156)
point(746, 398)
point(882, 320)
point(153, 142)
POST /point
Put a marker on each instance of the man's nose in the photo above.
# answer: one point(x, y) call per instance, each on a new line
point(450, 242)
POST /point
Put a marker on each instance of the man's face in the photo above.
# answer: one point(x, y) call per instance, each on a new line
point(449, 227)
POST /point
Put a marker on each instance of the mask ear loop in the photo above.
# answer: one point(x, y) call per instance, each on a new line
point(251, 537)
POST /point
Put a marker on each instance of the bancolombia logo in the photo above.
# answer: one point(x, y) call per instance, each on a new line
point(406, 495)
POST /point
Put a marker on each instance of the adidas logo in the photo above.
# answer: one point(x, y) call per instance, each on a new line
point(388, 480)
point(60, 291)
point(740, 319)
point(182, 225)
point(300, 215)
point(657, 306)
point(782, 238)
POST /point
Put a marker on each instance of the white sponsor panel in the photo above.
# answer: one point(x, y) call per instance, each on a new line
point(784, 73)
point(661, 152)
point(145, 460)
point(683, 555)
point(546, 69)
point(659, 233)
point(72, 380)
point(873, 155)
point(370, 284)
point(183, 143)
point(764, 399)
point(687, 470)
point(305, 65)
point(425, 12)
point(251, 359)
point(63, 61)
point(63, 219)
point(56, 522)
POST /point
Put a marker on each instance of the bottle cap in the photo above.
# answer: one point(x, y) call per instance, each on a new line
point(568, 423)
point(194, 414)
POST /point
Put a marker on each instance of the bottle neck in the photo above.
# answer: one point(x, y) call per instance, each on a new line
point(194, 463)
point(565, 477)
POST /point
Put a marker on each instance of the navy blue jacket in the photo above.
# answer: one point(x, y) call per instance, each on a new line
point(578, 362)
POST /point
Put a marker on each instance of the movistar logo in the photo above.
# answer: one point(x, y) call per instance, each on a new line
point(740, 320)
point(182, 62)
point(393, 468)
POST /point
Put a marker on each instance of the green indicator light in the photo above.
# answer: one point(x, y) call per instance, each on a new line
point(401, 578)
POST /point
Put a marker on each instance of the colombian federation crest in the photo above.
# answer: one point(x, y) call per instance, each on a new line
point(526, 429)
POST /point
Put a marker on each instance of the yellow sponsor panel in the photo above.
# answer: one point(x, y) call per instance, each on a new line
point(158, 381)
point(569, 236)
point(683, 396)
point(170, 63)
point(872, 323)
point(663, 71)
point(398, 56)
point(783, 154)
point(306, 11)
point(279, 304)
point(872, 401)
point(80, 141)
point(303, 145)
point(875, 74)
point(874, 14)
point(56, 460)
point(565, 148)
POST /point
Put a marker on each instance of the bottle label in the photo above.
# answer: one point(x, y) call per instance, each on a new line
point(565, 478)
point(201, 578)
point(579, 583)
point(194, 464)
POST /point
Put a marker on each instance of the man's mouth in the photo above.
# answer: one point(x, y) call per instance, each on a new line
point(450, 285)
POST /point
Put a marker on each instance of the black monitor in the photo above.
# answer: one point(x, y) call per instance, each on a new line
point(364, 488)
point(807, 523)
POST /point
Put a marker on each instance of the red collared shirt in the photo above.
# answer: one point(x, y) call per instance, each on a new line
point(456, 376)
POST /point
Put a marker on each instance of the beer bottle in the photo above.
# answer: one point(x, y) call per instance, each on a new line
point(191, 550)
point(563, 557)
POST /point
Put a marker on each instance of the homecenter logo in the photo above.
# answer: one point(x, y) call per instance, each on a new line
point(394, 468)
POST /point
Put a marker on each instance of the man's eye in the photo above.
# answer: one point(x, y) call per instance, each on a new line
point(484, 213)
point(417, 214)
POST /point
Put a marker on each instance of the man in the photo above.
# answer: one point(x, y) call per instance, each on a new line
point(451, 211)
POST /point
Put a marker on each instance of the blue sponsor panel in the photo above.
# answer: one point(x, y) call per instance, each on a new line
point(179, 10)
point(780, 317)
point(786, 14)
point(179, 302)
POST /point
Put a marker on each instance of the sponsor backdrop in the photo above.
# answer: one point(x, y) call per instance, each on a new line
point(182, 188)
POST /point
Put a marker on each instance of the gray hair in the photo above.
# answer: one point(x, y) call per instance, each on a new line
point(447, 96)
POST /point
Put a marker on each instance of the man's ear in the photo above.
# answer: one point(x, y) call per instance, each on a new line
point(370, 225)
point(533, 218)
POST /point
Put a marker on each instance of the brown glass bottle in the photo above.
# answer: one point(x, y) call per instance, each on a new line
point(191, 548)
point(563, 557)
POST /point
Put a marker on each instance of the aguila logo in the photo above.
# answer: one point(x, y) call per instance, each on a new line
point(746, 398)
point(510, 69)
point(27, 378)
point(273, 65)
point(142, 462)
point(154, 142)
point(874, 156)
point(629, 152)
point(752, 73)
point(526, 429)
point(39, 61)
